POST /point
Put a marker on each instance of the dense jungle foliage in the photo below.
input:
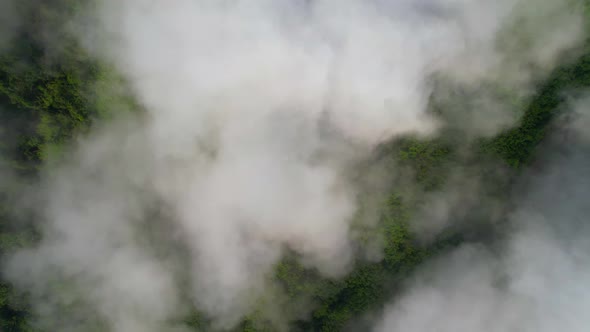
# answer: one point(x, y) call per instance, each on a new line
point(49, 94)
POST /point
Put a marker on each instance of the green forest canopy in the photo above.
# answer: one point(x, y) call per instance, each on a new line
point(48, 96)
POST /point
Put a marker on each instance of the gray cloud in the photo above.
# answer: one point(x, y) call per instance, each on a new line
point(9, 22)
point(537, 279)
point(254, 116)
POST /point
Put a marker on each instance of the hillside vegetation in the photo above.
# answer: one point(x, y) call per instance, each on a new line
point(52, 94)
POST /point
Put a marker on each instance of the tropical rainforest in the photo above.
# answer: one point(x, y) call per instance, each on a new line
point(93, 180)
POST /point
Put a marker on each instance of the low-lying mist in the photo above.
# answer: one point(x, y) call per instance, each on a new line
point(257, 122)
point(535, 277)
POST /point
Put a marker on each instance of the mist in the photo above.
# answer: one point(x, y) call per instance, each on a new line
point(9, 22)
point(535, 277)
point(255, 120)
